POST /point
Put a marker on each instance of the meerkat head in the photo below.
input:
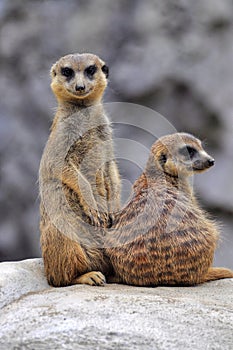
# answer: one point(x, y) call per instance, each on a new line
point(180, 154)
point(79, 78)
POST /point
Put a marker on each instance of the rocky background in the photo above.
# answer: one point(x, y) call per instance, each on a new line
point(172, 56)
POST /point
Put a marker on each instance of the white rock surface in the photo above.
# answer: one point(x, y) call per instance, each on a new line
point(20, 278)
point(36, 316)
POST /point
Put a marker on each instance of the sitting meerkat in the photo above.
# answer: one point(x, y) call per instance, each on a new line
point(78, 177)
point(162, 236)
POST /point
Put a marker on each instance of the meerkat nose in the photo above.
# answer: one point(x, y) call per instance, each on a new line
point(211, 161)
point(80, 88)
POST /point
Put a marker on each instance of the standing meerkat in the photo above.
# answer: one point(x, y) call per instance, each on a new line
point(78, 177)
point(162, 237)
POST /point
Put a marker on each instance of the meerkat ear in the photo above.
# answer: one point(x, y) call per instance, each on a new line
point(105, 70)
point(53, 71)
point(162, 158)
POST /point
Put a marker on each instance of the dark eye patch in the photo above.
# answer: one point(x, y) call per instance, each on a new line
point(67, 72)
point(188, 151)
point(90, 71)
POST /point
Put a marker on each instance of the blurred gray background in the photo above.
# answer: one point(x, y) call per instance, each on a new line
point(175, 57)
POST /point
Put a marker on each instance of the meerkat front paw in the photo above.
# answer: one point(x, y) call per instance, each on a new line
point(93, 278)
point(93, 217)
point(98, 219)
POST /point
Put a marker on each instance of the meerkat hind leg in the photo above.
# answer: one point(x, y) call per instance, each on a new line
point(217, 273)
point(93, 278)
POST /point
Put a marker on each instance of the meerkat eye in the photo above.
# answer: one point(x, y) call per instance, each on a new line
point(67, 72)
point(105, 70)
point(90, 71)
point(188, 151)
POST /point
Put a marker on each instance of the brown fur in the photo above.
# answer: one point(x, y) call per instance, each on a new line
point(79, 180)
point(163, 237)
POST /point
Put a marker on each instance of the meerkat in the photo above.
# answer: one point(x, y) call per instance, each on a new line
point(78, 176)
point(162, 236)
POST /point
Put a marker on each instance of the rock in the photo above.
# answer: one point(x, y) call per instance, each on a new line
point(36, 316)
point(20, 278)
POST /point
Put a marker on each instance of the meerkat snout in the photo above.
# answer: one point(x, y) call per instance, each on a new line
point(211, 162)
point(80, 88)
point(202, 161)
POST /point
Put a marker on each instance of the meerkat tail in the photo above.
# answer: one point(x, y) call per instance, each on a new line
point(217, 273)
